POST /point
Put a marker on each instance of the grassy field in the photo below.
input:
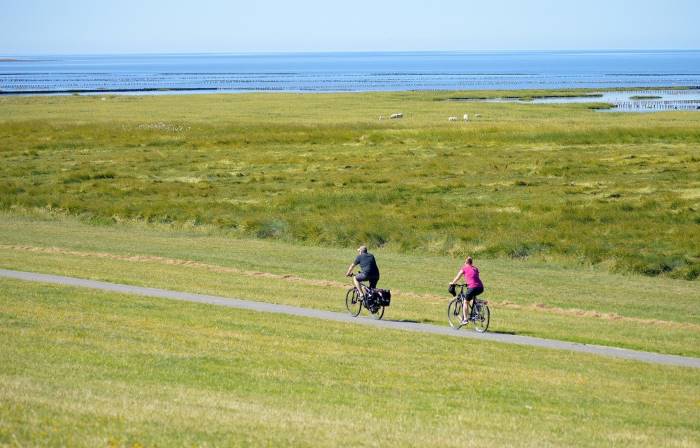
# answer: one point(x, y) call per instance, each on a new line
point(553, 182)
point(85, 368)
point(583, 224)
point(528, 298)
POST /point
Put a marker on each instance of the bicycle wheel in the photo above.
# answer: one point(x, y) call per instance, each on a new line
point(378, 314)
point(482, 318)
point(454, 313)
point(352, 302)
point(375, 310)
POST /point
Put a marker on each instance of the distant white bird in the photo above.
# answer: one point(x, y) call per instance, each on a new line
point(466, 117)
point(451, 118)
point(397, 115)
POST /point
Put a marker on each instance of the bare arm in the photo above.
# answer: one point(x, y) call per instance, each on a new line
point(352, 266)
point(459, 274)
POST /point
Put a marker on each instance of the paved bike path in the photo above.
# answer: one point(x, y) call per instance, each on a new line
point(655, 358)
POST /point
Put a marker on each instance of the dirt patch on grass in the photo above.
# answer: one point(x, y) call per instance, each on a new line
point(174, 262)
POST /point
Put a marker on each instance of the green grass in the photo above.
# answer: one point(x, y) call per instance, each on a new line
point(582, 223)
point(528, 298)
point(548, 182)
point(87, 368)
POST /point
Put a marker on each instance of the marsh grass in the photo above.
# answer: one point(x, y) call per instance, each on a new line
point(520, 182)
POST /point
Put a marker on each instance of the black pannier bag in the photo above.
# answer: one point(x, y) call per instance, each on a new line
point(452, 290)
point(382, 297)
point(371, 300)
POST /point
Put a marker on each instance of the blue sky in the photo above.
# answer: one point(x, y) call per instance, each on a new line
point(152, 26)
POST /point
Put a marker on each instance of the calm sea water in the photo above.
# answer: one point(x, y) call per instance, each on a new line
point(341, 72)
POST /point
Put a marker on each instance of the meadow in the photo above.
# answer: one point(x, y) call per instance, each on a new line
point(583, 224)
point(86, 368)
point(552, 182)
point(531, 298)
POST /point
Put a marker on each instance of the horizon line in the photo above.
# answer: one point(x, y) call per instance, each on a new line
point(290, 52)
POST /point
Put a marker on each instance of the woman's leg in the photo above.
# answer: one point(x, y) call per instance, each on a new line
point(471, 296)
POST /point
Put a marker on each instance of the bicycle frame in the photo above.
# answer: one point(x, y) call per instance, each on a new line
point(363, 292)
point(364, 289)
point(477, 311)
point(462, 294)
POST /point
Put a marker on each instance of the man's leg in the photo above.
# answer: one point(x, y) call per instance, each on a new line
point(361, 277)
point(357, 285)
point(373, 282)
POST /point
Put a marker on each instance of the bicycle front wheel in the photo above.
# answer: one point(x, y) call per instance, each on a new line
point(454, 313)
point(482, 317)
point(353, 302)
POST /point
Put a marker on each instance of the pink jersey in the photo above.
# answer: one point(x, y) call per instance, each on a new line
point(471, 276)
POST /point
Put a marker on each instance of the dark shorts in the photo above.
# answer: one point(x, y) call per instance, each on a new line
point(473, 292)
point(362, 277)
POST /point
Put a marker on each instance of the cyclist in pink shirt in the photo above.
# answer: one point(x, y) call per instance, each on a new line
point(474, 285)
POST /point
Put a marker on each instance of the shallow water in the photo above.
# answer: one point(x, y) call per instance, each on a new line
point(650, 101)
point(342, 72)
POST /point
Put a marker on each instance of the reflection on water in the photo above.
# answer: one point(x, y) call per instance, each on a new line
point(626, 101)
point(639, 101)
point(654, 106)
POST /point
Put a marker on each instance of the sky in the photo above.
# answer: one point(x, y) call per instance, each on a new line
point(171, 26)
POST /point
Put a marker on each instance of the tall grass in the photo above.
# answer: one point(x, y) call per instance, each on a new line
point(522, 181)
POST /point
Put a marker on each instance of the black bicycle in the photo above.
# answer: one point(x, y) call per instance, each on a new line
point(355, 300)
point(478, 311)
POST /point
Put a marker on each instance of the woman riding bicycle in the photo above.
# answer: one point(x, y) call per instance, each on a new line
point(474, 285)
point(368, 266)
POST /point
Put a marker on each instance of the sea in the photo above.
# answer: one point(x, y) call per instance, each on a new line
point(346, 72)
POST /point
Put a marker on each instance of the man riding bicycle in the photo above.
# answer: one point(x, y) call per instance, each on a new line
point(368, 267)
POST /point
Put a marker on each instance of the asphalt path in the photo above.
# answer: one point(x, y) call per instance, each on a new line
point(655, 358)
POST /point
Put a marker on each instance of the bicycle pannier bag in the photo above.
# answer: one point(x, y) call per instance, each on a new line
point(383, 297)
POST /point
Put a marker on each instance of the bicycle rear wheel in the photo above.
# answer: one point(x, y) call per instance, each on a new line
point(454, 313)
point(353, 302)
point(482, 316)
point(378, 314)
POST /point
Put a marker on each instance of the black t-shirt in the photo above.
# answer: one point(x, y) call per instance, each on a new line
point(368, 265)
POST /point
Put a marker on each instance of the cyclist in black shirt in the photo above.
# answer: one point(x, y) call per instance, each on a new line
point(368, 267)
